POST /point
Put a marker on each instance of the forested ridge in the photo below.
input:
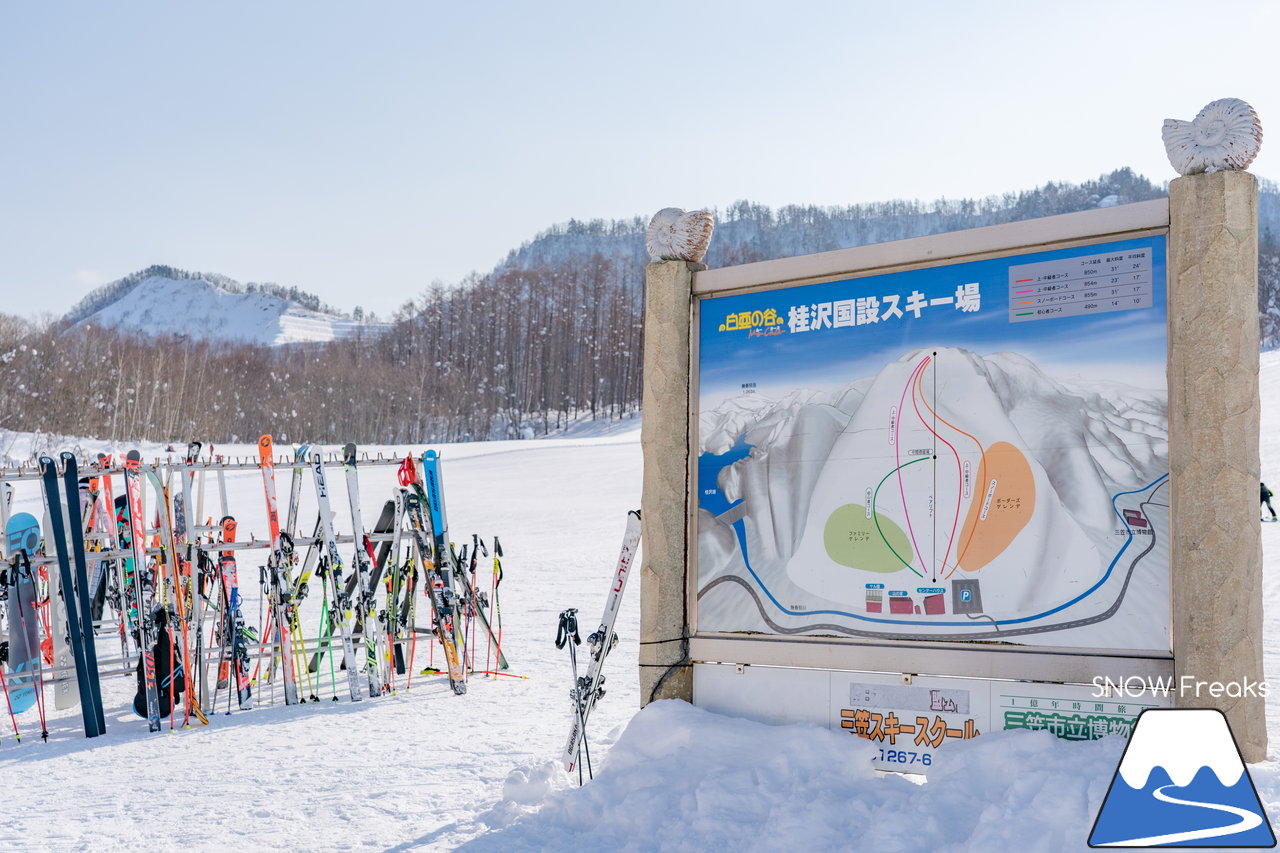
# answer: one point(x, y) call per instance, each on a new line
point(552, 334)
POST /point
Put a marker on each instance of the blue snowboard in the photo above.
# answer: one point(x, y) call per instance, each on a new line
point(23, 535)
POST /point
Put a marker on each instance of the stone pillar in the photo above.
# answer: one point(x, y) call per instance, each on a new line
point(1216, 561)
point(665, 672)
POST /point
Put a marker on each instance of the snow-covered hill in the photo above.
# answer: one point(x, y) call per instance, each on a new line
point(202, 309)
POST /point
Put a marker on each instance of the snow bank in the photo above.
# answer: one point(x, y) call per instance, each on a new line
point(683, 779)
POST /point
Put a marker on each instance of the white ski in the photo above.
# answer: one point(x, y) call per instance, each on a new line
point(333, 573)
point(589, 687)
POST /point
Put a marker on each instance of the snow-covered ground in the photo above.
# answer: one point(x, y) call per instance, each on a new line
point(411, 770)
point(427, 770)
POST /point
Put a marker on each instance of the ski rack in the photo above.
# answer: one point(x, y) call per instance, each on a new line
point(200, 538)
point(120, 665)
point(91, 468)
point(165, 469)
point(211, 547)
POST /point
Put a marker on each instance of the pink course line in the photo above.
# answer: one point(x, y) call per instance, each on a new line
point(897, 449)
point(959, 472)
point(1020, 292)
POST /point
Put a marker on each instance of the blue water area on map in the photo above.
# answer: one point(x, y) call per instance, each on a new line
point(710, 465)
point(1131, 813)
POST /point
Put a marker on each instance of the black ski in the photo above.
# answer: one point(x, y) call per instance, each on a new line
point(70, 482)
point(55, 505)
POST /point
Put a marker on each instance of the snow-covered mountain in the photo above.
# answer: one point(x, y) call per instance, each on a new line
point(163, 301)
point(746, 231)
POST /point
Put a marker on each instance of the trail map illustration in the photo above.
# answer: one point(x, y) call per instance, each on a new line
point(973, 452)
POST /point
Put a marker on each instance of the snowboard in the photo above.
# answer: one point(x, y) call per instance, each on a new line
point(23, 536)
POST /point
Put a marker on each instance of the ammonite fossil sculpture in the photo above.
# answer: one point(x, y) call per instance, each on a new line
point(675, 235)
point(1225, 135)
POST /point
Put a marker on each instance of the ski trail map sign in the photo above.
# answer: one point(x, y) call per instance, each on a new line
point(973, 452)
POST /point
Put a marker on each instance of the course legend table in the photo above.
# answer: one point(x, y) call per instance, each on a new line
point(1069, 287)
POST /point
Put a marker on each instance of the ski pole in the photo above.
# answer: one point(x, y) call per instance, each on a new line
point(413, 621)
point(488, 643)
point(470, 633)
point(12, 717)
point(566, 631)
point(494, 605)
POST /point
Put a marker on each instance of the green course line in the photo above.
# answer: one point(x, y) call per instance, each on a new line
point(875, 516)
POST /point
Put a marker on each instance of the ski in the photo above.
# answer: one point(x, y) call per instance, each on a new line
point(102, 533)
point(386, 561)
point(295, 490)
point(443, 611)
point(281, 597)
point(590, 687)
point(145, 627)
point(332, 569)
point(58, 646)
point(366, 606)
point(87, 596)
point(395, 572)
point(234, 631)
point(75, 607)
point(433, 476)
point(177, 594)
point(197, 578)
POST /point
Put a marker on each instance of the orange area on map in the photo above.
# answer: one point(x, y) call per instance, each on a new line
point(1008, 508)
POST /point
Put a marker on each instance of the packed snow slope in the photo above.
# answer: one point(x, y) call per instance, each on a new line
point(199, 310)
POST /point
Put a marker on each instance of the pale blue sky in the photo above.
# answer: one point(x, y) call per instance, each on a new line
point(361, 150)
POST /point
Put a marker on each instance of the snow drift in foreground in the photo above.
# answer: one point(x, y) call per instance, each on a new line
point(683, 779)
